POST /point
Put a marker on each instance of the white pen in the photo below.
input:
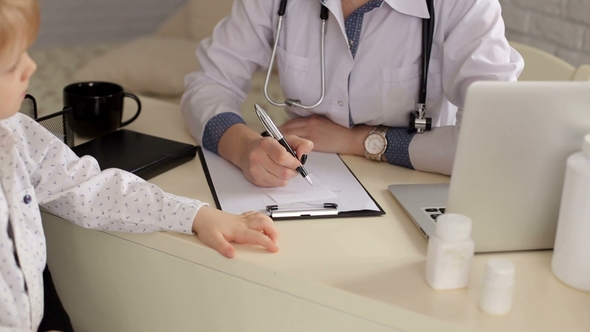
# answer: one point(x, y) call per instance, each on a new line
point(276, 134)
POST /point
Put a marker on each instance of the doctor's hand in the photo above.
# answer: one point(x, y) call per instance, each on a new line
point(217, 229)
point(263, 161)
point(328, 136)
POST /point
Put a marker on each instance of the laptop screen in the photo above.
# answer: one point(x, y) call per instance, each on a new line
point(508, 172)
point(509, 168)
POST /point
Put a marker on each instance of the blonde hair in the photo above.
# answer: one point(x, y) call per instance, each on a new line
point(19, 23)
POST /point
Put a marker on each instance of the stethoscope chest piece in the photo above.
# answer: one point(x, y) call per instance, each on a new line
point(419, 123)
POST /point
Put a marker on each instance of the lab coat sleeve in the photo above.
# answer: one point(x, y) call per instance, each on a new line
point(434, 151)
point(474, 48)
point(240, 44)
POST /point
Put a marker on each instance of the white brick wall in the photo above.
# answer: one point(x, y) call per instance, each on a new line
point(560, 27)
point(72, 22)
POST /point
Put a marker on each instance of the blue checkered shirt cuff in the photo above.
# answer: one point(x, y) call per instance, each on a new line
point(216, 127)
point(398, 147)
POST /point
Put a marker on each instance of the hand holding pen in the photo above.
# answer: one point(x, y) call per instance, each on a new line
point(276, 134)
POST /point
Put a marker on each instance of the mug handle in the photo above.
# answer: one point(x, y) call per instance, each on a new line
point(134, 97)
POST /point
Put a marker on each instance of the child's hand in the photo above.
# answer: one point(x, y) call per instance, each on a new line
point(217, 228)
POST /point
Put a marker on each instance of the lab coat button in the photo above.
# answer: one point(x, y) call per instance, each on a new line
point(340, 103)
point(27, 199)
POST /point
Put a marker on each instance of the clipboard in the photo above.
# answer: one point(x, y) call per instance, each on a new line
point(215, 166)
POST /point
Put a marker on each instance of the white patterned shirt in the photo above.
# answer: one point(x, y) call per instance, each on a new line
point(36, 168)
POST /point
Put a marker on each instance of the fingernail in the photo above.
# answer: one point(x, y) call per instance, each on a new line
point(229, 253)
point(303, 159)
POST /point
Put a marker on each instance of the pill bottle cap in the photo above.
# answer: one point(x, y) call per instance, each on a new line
point(453, 226)
point(499, 272)
point(586, 146)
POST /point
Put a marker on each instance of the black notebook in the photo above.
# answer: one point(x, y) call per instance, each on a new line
point(141, 154)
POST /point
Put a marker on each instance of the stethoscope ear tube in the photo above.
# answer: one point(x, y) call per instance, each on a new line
point(427, 35)
point(324, 13)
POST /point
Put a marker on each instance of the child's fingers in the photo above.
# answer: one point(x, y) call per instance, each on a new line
point(249, 213)
point(218, 242)
point(250, 236)
point(264, 224)
point(271, 231)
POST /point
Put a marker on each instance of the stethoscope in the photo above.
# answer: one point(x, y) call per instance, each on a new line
point(418, 120)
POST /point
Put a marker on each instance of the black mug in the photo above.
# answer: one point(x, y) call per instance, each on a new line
point(97, 107)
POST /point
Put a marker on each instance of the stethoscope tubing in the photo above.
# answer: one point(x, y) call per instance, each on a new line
point(427, 39)
point(295, 102)
point(427, 36)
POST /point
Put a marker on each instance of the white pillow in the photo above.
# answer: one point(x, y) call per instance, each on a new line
point(149, 66)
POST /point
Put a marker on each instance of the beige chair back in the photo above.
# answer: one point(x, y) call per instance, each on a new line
point(542, 66)
point(582, 73)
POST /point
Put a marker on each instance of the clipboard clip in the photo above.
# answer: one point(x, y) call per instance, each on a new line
point(302, 209)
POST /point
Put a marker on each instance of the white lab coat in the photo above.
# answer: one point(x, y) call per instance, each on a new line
point(380, 85)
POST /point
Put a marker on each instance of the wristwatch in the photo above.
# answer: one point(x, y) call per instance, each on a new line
point(376, 143)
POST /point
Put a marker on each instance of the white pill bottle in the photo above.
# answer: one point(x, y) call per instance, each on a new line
point(497, 288)
point(450, 250)
point(571, 253)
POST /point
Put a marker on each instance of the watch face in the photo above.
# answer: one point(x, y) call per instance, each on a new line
point(375, 144)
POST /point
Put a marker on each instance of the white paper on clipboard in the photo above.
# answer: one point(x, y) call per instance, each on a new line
point(235, 194)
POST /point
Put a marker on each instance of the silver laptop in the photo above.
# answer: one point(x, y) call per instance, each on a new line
point(509, 167)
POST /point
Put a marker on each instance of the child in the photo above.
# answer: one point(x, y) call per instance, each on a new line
point(36, 168)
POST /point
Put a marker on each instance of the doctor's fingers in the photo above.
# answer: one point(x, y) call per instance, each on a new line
point(279, 153)
point(300, 145)
point(280, 156)
point(261, 177)
point(279, 175)
point(256, 163)
point(311, 126)
point(264, 172)
point(303, 124)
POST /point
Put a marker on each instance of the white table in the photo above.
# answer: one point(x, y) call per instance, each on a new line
point(350, 274)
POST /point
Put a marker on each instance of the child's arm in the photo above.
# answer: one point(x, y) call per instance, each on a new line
point(114, 200)
point(217, 228)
